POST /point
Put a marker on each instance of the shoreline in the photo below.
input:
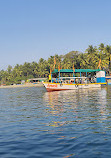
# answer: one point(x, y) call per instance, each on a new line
point(23, 85)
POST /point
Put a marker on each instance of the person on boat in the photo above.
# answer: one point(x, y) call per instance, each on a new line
point(80, 81)
point(72, 81)
point(85, 81)
point(89, 79)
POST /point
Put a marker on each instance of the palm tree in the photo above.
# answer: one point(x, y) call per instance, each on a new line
point(92, 57)
point(9, 69)
point(91, 50)
point(101, 47)
point(82, 58)
point(108, 54)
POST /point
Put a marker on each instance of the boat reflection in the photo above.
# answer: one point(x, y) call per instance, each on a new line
point(76, 100)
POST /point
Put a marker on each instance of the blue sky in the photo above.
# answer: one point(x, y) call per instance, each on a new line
point(34, 29)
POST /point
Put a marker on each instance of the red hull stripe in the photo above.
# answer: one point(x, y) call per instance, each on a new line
point(50, 89)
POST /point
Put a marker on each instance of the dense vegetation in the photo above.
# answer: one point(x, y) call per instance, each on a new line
point(87, 60)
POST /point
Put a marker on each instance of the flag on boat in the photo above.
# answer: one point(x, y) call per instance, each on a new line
point(54, 62)
point(59, 67)
point(73, 68)
point(99, 63)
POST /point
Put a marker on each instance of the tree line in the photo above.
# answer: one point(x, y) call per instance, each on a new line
point(88, 60)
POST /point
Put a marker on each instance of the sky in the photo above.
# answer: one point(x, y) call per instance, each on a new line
point(34, 29)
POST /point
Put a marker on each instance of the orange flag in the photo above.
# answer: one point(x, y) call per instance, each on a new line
point(59, 67)
point(54, 62)
point(73, 68)
point(50, 71)
point(99, 63)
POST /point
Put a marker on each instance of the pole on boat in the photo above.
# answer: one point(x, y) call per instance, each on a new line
point(73, 72)
point(51, 77)
point(59, 75)
point(86, 76)
point(59, 71)
point(74, 76)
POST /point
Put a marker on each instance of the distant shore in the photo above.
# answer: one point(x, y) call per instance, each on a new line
point(23, 85)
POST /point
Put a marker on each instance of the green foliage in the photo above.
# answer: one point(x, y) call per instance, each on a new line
point(87, 60)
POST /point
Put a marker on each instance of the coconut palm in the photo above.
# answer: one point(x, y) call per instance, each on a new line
point(108, 56)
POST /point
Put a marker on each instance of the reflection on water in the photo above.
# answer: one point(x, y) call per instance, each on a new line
point(89, 108)
point(36, 123)
point(61, 101)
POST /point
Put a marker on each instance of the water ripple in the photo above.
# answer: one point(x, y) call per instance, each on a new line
point(36, 123)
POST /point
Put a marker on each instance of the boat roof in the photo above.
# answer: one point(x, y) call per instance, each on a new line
point(76, 70)
point(71, 77)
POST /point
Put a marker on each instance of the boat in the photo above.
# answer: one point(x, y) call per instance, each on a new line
point(69, 79)
point(108, 80)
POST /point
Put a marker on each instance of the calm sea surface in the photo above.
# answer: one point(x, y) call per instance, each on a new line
point(39, 124)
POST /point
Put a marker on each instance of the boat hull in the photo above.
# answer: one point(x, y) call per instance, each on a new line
point(62, 86)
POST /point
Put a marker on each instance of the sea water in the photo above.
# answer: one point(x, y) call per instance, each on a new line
point(39, 124)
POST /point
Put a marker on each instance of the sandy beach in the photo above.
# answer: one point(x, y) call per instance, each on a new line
point(23, 85)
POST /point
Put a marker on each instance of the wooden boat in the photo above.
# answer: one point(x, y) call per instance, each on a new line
point(94, 80)
point(108, 80)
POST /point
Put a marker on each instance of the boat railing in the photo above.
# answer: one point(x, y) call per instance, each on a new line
point(73, 80)
point(72, 77)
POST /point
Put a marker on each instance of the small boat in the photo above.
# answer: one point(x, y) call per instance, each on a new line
point(108, 80)
point(77, 79)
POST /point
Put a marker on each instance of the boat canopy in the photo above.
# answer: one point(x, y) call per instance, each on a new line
point(76, 70)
